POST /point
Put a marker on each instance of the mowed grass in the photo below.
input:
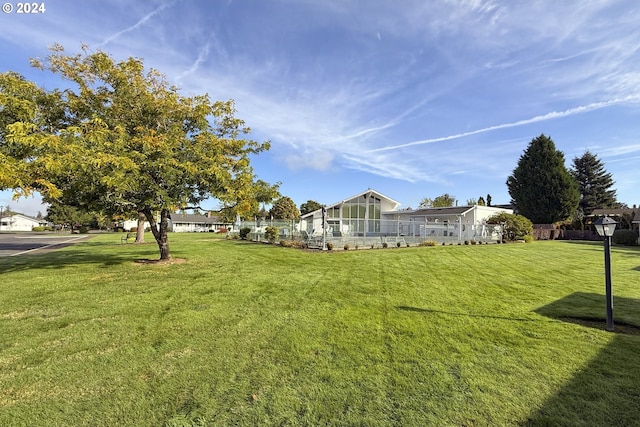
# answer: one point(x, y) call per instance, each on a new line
point(251, 334)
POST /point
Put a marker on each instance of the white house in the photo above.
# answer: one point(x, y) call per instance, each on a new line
point(371, 214)
point(190, 223)
point(20, 222)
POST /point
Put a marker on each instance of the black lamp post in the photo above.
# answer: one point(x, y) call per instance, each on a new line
point(605, 227)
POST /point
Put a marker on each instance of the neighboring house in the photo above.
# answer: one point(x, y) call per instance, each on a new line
point(627, 218)
point(190, 223)
point(372, 214)
point(20, 222)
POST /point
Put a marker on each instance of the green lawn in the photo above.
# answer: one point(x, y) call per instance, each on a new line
point(251, 334)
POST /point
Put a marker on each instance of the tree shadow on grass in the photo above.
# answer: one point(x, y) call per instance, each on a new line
point(606, 392)
point(97, 253)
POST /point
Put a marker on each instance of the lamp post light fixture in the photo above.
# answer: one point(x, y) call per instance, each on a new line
point(605, 227)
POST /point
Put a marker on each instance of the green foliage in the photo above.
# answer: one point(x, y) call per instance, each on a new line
point(346, 246)
point(398, 244)
point(329, 246)
point(594, 183)
point(385, 245)
point(41, 228)
point(123, 140)
point(541, 186)
point(244, 232)
point(271, 233)
point(481, 201)
point(443, 201)
point(625, 237)
point(516, 227)
point(428, 243)
point(309, 206)
point(284, 208)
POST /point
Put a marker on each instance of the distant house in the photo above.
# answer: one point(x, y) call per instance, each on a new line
point(627, 218)
point(193, 223)
point(20, 222)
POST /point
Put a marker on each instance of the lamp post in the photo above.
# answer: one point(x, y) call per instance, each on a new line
point(605, 227)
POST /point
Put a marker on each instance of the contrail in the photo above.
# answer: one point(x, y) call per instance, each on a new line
point(137, 24)
point(548, 116)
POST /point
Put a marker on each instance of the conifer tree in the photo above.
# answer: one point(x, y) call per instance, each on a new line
point(594, 183)
point(541, 187)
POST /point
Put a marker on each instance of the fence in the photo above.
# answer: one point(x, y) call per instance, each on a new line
point(389, 232)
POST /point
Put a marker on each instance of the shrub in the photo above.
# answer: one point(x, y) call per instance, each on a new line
point(428, 243)
point(346, 247)
point(298, 244)
point(244, 232)
point(372, 246)
point(329, 246)
point(271, 233)
point(41, 228)
point(222, 230)
point(133, 230)
point(528, 238)
point(398, 244)
point(83, 229)
point(473, 242)
point(385, 245)
point(516, 227)
point(625, 237)
point(356, 246)
point(466, 242)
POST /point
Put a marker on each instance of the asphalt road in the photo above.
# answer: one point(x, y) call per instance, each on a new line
point(14, 244)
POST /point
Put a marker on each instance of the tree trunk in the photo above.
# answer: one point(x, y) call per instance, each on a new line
point(140, 231)
point(160, 234)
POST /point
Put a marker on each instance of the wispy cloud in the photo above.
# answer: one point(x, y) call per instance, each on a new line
point(548, 116)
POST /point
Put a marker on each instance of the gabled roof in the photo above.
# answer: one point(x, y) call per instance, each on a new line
point(615, 211)
point(364, 193)
point(30, 218)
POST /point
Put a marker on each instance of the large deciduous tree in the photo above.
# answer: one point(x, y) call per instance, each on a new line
point(443, 201)
point(121, 139)
point(309, 206)
point(284, 208)
point(541, 187)
point(594, 183)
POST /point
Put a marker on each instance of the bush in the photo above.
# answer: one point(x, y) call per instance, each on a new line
point(329, 246)
point(83, 229)
point(398, 244)
point(428, 243)
point(244, 232)
point(41, 228)
point(385, 245)
point(298, 244)
point(346, 247)
point(516, 227)
point(473, 242)
point(625, 237)
point(466, 242)
point(271, 233)
point(133, 230)
point(528, 238)
point(222, 230)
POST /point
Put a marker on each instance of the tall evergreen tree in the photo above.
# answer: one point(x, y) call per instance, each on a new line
point(541, 187)
point(594, 183)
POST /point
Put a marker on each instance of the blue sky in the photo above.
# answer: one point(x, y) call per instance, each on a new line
point(411, 98)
